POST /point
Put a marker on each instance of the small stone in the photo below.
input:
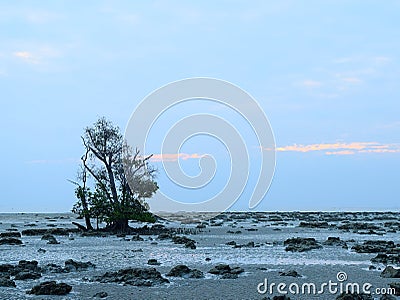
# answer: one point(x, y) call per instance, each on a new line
point(100, 295)
point(153, 262)
point(291, 273)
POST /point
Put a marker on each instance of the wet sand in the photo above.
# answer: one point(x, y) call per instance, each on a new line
point(263, 261)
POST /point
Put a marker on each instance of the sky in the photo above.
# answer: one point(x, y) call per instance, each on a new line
point(325, 73)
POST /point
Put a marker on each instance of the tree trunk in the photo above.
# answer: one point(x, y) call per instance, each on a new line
point(112, 183)
point(79, 226)
point(83, 200)
point(121, 226)
point(86, 214)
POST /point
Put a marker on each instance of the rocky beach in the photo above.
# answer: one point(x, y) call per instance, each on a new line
point(232, 256)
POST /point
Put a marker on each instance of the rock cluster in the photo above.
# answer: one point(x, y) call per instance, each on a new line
point(379, 246)
point(23, 271)
point(386, 259)
point(10, 241)
point(390, 272)
point(134, 276)
point(291, 273)
point(73, 266)
point(185, 272)
point(50, 288)
point(314, 224)
point(189, 243)
point(301, 244)
point(226, 272)
point(335, 241)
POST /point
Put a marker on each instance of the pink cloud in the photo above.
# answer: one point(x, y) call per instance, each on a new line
point(342, 148)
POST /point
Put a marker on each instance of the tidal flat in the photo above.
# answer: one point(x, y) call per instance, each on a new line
point(235, 255)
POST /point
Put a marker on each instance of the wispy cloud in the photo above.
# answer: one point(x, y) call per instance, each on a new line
point(345, 74)
point(310, 83)
point(41, 55)
point(342, 148)
point(352, 80)
point(177, 156)
point(27, 57)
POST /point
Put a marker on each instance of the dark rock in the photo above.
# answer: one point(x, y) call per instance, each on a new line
point(281, 297)
point(54, 231)
point(387, 297)
point(234, 232)
point(226, 272)
point(40, 250)
point(100, 295)
point(236, 270)
point(390, 272)
point(252, 229)
point(386, 259)
point(51, 240)
point(165, 235)
point(27, 275)
point(248, 245)
point(231, 243)
point(314, 224)
point(10, 241)
point(153, 262)
point(26, 266)
point(24, 270)
point(354, 296)
point(220, 269)
point(291, 273)
point(396, 287)
point(186, 272)
point(6, 282)
point(72, 266)
point(14, 234)
point(134, 276)
point(208, 259)
point(359, 226)
point(137, 238)
point(375, 247)
point(301, 244)
point(6, 268)
point(335, 241)
point(53, 268)
point(50, 288)
point(189, 243)
point(229, 276)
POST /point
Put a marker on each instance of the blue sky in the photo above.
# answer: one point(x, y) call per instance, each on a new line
point(326, 73)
